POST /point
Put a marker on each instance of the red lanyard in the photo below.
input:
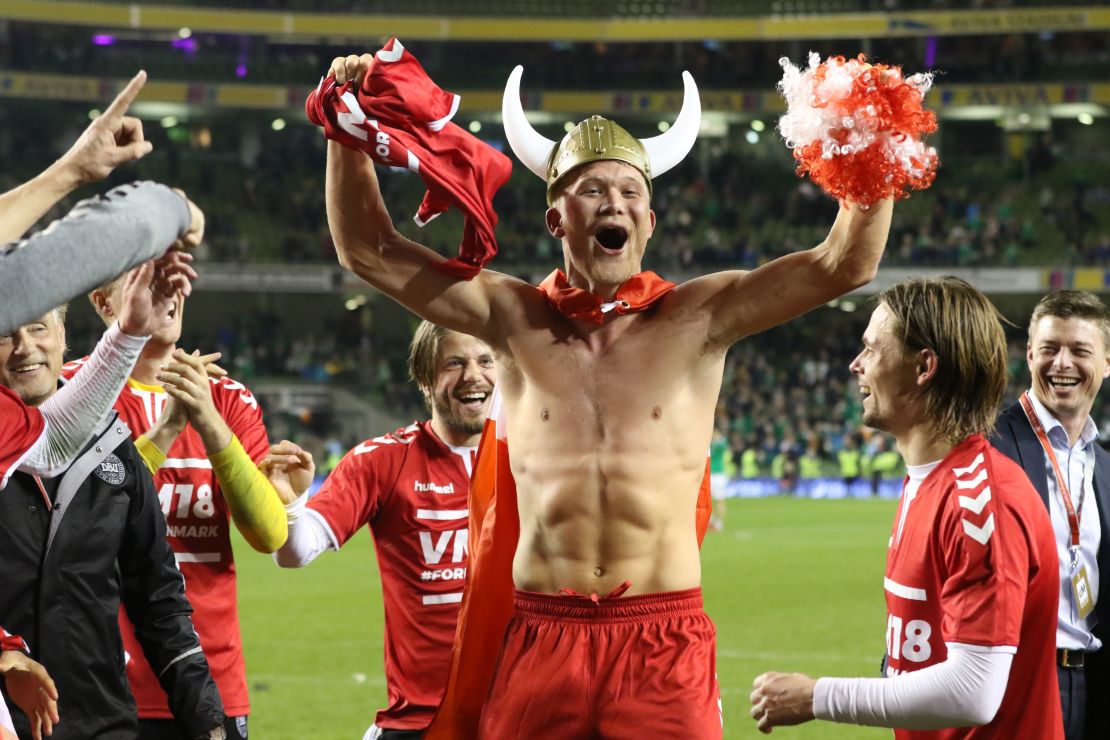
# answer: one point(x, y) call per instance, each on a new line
point(45, 496)
point(1061, 481)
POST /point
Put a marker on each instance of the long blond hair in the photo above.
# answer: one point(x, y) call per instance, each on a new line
point(964, 329)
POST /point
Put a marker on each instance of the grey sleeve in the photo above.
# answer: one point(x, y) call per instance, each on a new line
point(100, 238)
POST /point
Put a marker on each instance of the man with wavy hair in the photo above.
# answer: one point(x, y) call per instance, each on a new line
point(971, 581)
point(410, 489)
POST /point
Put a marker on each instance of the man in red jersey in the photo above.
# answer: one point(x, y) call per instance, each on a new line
point(971, 577)
point(203, 437)
point(410, 487)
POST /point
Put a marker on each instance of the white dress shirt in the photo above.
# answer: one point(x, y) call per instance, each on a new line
point(1072, 632)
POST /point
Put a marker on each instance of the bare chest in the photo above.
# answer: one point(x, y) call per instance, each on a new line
point(642, 373)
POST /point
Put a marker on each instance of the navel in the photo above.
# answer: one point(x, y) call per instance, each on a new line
point(599, 571)
point(544, 414)
point(657, 413)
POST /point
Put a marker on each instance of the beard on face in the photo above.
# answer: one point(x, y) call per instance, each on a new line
point(454, 420)
point(873, 420)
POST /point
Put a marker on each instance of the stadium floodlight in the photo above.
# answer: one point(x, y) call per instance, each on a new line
point(1086, 119)
point(184, 32)
point(475, 126)
point(664, 125)
point(278, 124)
point(752, 137)
point(758, 125)
point(94, 114)
point(169, 122)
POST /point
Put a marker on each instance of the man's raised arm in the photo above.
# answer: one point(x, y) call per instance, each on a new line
point(100, 238)
point(745, 303)
point(369, 246)
point(110, 140)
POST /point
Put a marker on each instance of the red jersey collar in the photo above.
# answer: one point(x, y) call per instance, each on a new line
point(640, 291)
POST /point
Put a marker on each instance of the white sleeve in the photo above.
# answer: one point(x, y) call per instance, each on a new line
point(73, 413)
point(309, 535)
point(964, 690)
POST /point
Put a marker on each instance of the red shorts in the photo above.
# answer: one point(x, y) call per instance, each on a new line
point(632, 667)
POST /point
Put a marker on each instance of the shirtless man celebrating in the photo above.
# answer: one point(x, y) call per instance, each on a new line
point(610, 378)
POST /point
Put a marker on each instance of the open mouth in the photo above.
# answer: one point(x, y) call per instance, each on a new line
point(1063, 383)
point(612, 238)
point(865, 390)
point(472, 399)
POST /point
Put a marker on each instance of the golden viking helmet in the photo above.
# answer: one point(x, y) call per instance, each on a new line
point(593, 140)
point(596, 139)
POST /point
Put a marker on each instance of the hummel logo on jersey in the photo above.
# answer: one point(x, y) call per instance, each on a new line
point(966, 472)
point(973, 477)
point(420, 487)
point(979, 534)
point(975, 505)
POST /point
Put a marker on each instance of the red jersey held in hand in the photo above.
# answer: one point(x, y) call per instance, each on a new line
point(198, 530)
point(411, 489)
point(972, 562)
point(401, 118)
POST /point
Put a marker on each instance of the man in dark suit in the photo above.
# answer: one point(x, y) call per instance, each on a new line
point(1051, 434)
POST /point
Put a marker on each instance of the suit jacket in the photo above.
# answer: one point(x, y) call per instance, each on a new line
point(1015, 438)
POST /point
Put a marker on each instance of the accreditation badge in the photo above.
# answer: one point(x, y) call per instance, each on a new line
point(1081, 592)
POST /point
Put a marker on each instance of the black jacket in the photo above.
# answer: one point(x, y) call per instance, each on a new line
point(1014, 437)
point(66, 564)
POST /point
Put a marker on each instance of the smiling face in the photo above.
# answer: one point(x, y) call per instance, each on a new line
point(603, 216)
point(1068, 362)
point(31, 358)
point(463, 387)
point(886, 375)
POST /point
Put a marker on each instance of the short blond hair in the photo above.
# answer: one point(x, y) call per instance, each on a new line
point(1073, 304)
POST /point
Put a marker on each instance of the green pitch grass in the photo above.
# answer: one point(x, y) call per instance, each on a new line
point(793, 585)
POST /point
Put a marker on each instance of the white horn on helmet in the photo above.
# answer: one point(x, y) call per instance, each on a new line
point(669, 148)
point(530, 147)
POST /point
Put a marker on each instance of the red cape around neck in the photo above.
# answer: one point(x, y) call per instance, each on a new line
point(639, 292)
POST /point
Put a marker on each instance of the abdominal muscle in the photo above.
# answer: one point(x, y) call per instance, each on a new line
point(598, 508)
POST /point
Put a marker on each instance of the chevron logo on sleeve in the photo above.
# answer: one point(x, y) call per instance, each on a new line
point(963, 472)
point(973, 478)
point(975, 505)
point(979, 534)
